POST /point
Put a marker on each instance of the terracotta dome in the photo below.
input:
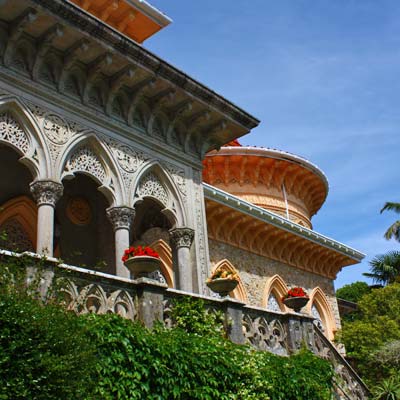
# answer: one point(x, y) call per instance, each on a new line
point(275, 180)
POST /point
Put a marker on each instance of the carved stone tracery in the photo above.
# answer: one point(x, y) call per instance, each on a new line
point(85, 160)
point(12, 132)
point(56, 128)
point(151, 186)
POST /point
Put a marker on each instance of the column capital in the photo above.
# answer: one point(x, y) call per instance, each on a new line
point(181, 237)
point(121, 217)
point(46, 192)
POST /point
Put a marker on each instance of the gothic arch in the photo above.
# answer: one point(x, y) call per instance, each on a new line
point(154, 182)
point(87, 155)
point(20, 216)
point(164, 251)
point(19, 130)
point(319, 300)
point(276, 287)
point(240, 292)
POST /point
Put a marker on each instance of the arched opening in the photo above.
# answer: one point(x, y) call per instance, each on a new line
point(320, 309)
point(151, 228)
point(83, 234)
point(18, 212)
point(240, 292)
point(274, 290)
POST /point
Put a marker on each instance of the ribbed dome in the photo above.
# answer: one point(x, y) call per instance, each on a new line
point(275, 180)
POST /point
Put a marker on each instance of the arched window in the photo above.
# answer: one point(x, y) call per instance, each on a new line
point(240, 292)
point(320, 309)
point(274, 290)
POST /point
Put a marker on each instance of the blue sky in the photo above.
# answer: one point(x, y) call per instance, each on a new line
point(324, 79)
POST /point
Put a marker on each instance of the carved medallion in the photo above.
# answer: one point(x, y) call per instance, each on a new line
point(78, 211)
point(56, 129)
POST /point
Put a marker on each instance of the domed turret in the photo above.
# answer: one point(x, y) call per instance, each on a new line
point(274, 180)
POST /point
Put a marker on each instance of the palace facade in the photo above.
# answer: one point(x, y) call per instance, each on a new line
point(104, 145)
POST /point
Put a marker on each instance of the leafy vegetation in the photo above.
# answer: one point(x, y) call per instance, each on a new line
point(394, 229)
point(385, 268)
point(49, 353)
point(376, 326)
point(353, 291)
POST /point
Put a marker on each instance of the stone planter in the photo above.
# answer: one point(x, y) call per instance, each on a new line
point(296, 303)
point(141, 266)
point(222, 286)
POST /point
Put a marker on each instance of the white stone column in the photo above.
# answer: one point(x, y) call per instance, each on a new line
point(46, 194)
point(121, 219)
point(181, 239)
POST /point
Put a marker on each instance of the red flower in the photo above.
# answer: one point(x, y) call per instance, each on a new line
point(295, 292)
point(139, 251)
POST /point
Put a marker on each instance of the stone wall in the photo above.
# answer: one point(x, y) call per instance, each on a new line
point(255, 271)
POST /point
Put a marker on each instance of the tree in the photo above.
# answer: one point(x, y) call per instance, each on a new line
point(353, 292)
point(394, 229)
point(377, 325)
point(385, 268)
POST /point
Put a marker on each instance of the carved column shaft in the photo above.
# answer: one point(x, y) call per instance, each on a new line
point(121, 219)
point(46, 194)
point(181, 239)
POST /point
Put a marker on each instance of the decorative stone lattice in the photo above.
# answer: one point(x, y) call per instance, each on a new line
point(273, 304)
point(11, 132)
point(93, 298)
point(86, 161)
point(56, 129)
point(150, 185)
point(265, 335)
point(14, 237)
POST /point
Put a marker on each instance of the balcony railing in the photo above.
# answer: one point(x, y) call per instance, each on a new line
point(86, 291)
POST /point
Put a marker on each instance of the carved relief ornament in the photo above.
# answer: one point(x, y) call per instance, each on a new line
point(121, 217)
point(181, 237)
point(46, 192)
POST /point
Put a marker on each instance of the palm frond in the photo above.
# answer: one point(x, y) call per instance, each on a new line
point(393, 231)
point(385, 268)
point(391, 206)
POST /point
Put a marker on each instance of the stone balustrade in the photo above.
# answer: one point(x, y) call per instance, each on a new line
point(146, 300)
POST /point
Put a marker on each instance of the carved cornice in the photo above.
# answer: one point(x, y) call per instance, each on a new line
point(103, 82)
point(259, 231)
point(181, 237)
point(46, 192)
point(121, 217)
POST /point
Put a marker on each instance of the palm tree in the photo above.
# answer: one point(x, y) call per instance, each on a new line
point(394, 229)
point(385, 268)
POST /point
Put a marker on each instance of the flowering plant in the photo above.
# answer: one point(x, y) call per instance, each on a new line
point(295, 292)
point(223, 274)
point(139, 251)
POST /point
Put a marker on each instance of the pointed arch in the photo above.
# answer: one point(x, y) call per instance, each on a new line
point(19, 130)
point(165, 253)
point(240, 292)
point(319, 300)
point(153, 181)
point(87, 155)
point(277, 288)
point(18, 218)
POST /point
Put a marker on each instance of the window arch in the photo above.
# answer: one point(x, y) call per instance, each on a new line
point(240, 292)
point(319, 307)
point(164, 251)
point(274, 290)
point(18, 220)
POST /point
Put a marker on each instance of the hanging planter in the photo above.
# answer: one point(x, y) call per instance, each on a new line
point(223, 282)
point(141, 261)
point(296, 298)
